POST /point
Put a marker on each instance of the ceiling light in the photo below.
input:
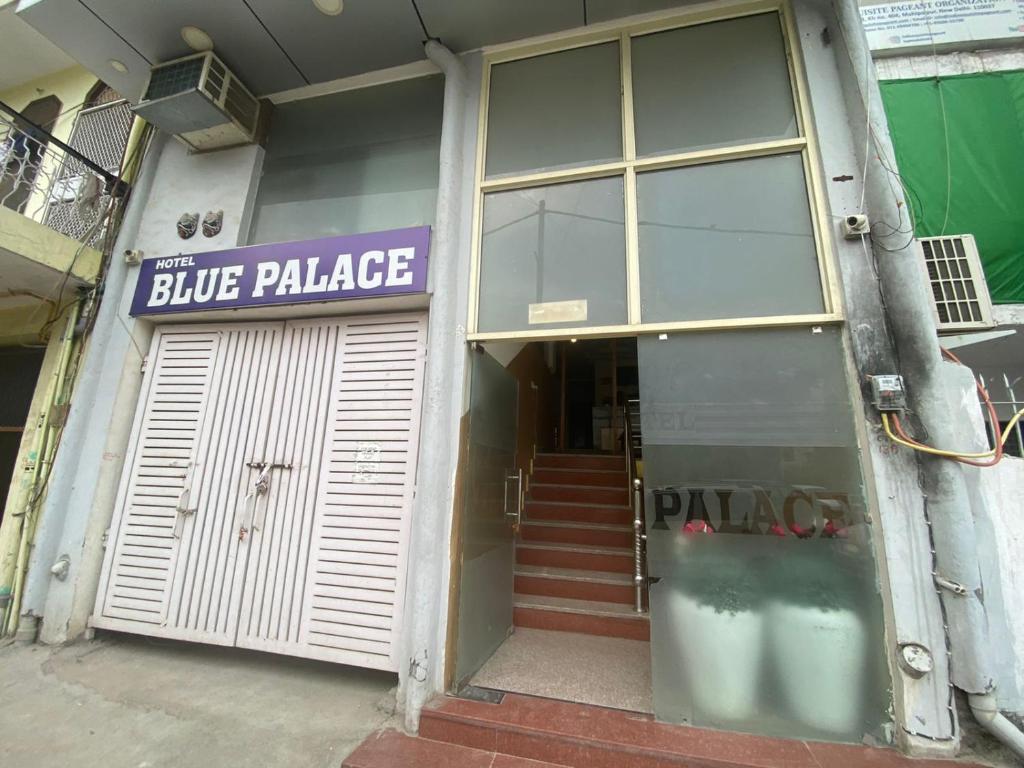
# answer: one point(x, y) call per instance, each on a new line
point(118, 66)
point(330, 7)
point(196, 38)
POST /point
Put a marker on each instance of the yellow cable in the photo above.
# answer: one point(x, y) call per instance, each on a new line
point(951, 454)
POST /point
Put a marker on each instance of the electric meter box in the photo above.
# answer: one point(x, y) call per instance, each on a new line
point(887, 393)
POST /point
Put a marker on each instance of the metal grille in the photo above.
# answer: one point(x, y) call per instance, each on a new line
point(177, 77)
point(77, 201)
point(957, 282)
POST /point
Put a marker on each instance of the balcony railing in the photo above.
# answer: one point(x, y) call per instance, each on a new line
point(71, 191)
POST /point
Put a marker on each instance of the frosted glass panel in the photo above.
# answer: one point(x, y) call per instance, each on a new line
point(712, 85)
point(358, 161)
point(772, 623)
point(555, 111)
point(727, 240)
point(553, 257)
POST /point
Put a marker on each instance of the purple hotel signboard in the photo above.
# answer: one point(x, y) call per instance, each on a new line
point(345, 267)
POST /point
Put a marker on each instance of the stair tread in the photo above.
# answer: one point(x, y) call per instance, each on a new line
point(574, 574)
point(620, 527)
point(575, 504)
point(572, 605)
point(393, 749)
point(586, 471)
point(590, 455)
point(579, 486)
point(601, 736)
point(590, 550)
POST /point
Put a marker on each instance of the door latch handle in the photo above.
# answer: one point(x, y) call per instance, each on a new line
point(260, 486)
point(183, 510)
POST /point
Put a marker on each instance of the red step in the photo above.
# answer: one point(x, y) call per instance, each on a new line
point(579, 494)
point(583, 736)
point(578, 513)
point(597, 477)
point(393, 749)
point(586, 534)
point(578, 585)
point(585, 558)
point(587, 617)
point(579, 461)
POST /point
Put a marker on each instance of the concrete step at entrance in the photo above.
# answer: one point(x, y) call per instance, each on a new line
point(602, 514)
point(614, 478)
point(580, 494)
point(393, 749)
point(585, 736)
point(580, 461)
point(589, 617)
point(588, 534)
point(587, 558)
point(601, 586)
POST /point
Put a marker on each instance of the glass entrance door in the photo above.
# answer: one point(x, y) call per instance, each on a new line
point(765, 614)
point(491, 505)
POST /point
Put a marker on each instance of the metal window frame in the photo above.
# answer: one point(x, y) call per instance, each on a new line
point(622, 31)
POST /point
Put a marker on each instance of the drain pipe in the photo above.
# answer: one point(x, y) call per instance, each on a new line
point(435, 495)
point(909, 314)
point(986, 712)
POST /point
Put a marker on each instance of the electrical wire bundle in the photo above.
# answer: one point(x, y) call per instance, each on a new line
point(985, 459)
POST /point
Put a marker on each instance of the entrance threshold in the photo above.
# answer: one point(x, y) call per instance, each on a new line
point(528, 732)
point(609, 672)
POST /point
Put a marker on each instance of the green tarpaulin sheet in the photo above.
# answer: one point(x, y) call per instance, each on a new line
point(972, 161)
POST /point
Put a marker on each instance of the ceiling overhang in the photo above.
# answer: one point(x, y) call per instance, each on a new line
point(278, 45)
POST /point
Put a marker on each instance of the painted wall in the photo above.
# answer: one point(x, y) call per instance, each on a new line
point(996, 493)
point(901, 536)
point(16, 497)
point(81, 498)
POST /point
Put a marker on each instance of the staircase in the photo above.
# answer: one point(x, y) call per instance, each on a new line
point(574, 557)
point(531, 732)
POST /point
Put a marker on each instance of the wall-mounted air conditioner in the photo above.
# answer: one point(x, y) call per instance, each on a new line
point(959, 290)
point(200, 101)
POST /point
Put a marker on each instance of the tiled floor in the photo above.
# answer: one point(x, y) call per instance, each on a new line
point(605, 671)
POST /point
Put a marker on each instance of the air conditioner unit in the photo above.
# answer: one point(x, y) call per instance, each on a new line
point(959, 290)
point(200, 101)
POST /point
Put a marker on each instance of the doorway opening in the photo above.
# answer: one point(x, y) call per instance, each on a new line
point(751, 553)
point(548, 605)
point(19, 375)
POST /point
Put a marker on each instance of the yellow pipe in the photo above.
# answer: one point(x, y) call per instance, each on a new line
point(43, 444)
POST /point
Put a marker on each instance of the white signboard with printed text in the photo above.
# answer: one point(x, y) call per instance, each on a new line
point(941, 23)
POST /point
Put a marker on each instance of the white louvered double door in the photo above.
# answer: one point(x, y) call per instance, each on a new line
point(266, 495)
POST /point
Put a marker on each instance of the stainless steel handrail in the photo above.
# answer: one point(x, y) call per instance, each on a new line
point(636, 485)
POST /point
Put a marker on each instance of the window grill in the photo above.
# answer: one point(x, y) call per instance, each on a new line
point(78, 202)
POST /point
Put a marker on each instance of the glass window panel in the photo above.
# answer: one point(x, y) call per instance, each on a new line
point(555, 111)
point(772, 623)
point(357, 161)
point(725, 240)
point(712, 85)
point(553, 257)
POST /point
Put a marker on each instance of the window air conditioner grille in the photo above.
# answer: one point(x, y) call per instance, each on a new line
point(215, 79)
point(957, 282)
point(241, 105)
point(174, 78)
